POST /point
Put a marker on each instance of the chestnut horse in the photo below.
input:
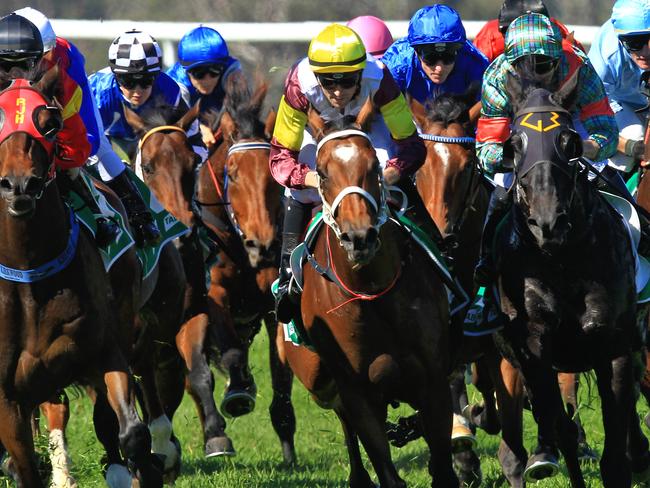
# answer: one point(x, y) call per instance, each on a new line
point(241, 214)
point(564, 312)
point(376, 314)
point(59, 321)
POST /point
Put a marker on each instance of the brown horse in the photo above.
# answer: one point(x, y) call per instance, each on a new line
point(59, 321)
point(375, 313)
point(241, 214)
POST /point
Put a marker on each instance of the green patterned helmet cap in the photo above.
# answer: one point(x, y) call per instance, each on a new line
point(532, 34)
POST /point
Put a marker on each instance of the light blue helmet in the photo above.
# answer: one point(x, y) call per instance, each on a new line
point(202, 45)
point(631, 17)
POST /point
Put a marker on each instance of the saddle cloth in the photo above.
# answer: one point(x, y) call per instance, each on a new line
point(169, 227)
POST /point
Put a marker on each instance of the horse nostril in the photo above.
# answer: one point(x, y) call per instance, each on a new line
point(532, 222)
point(371, 236)
point(33, 185)
point(5, 184)
point(562, 221)
point(345, 237)
point(251, 243)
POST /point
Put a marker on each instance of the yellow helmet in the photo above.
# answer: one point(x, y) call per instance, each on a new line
point(337, 49)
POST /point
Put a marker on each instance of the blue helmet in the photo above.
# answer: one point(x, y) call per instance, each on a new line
point(436, 24)
point(631, 17)
point(202, 45)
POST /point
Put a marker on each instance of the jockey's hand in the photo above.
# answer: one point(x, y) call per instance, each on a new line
point(391, 175)
point(590, 148)
point(207, 136)
point(312, 180)
point(644, 164)
point(635, 149)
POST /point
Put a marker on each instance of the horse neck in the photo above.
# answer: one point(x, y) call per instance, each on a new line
point(373, 277)
point(28, 243)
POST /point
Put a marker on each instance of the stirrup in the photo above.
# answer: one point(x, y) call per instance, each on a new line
point(144, 228)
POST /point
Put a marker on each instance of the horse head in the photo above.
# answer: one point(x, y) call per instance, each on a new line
point(544, 150)
point(30, 118)
point(165, 158)
point(241, 167)
point(449, 180)
point(351, 183)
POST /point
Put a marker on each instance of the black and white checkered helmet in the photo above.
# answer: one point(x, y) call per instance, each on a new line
point(135, 52)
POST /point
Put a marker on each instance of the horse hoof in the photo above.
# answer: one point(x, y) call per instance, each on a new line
point(236, 403)
point(468, 469)
point(462, 439)
point(172, 472)
point(219, 446)
point(540, 466)
point(586, 454)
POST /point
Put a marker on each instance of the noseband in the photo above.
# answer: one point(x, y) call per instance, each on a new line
point(329, 210)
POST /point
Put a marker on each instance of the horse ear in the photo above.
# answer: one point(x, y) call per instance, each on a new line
point(189, 117)
point(475, 113)
point(316, 123)
point(48, 83)
point(514, 88)
point(260, 93)
point(366, 114)
point(228, 126)
point(418, 111)
point(269, 124)
point(134, 120)
point(566, 96)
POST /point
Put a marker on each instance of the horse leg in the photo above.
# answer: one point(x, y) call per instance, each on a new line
point(367, 416)
point(569, 383)
point(57, 412)
point(281, 410)
point(568, 444)
point(16, 436)
point(509, 389)
point(637, 450)
point(615, 381)
point(190, 342)
point(435, 406)
point(466, 461)
point(359, 477)
point(483, 415)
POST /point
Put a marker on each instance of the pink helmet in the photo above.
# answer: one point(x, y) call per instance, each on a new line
point(373, 32)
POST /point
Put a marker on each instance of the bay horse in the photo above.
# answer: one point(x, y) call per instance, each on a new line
point(59, 320)
point(234, 197)
point(566, 285)
point(375, 313)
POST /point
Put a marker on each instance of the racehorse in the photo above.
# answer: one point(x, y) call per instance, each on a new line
point(376, 314)
point(59, 322)
point(563, 311)
point(237, 202)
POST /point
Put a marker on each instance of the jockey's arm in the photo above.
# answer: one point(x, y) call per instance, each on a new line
point(493, 127)
point(631, 147)
point(399, 120)
point(288, 135)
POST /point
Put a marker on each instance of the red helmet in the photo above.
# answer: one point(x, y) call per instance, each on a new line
point(374, 33)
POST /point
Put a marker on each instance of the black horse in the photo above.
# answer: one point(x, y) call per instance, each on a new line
point(566, 284)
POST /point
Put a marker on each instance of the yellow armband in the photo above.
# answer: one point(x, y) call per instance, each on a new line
point(398, 118)
point(289, 126)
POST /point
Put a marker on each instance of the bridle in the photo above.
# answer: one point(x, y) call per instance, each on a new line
point(329, 210)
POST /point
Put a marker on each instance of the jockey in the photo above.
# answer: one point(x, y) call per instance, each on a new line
point(58, 51)
point(336, 78)
point(204, 68)
point(490, 40)
point(374, 33)
point(436, 56)
point(134, 79)
point(536, 39)
point(620, 54)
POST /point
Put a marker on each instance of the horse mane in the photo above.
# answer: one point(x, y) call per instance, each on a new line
point(343, 123)
point(244, 106)
point(161, 113)
point(448, 107)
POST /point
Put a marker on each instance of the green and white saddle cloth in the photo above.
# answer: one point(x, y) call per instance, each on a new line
point(169, 227)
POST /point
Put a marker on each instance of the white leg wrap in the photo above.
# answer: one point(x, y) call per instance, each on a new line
point(60, 461)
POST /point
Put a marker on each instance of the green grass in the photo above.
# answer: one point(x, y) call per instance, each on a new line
point(322, 457)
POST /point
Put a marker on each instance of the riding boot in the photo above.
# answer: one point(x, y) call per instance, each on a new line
point(140, 219)
point(418, 213)
point(296, 216)
point(497, 209)
point(107, 230)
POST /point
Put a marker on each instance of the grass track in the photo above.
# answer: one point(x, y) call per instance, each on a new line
point(322, 458)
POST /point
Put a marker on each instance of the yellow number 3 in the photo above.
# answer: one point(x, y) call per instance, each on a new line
point(20, 111)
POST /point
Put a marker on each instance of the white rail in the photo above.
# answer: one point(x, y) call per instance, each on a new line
point(167, 33)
